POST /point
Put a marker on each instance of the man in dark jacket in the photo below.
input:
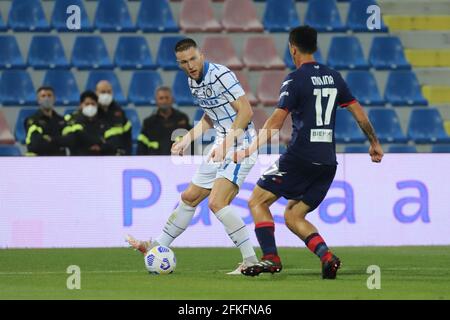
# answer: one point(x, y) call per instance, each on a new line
point(44, 127)
point(112, 114)
point(86, 134)
point(156, 134)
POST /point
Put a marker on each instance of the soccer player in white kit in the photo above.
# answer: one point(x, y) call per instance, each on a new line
point(227, 110)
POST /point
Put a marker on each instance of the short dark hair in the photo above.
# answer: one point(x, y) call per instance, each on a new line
point(304, 38)
point(46, 88)
point(185, 44)
point(88, 94)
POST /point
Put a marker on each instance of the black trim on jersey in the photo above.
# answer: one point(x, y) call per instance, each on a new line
point(217, 78)
point(226, 89)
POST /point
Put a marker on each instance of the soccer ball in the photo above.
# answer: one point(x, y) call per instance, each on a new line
point(160, 260)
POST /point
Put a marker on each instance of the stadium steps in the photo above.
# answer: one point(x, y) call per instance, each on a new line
point(406, 22)
point(428, 57)
point(437, 94)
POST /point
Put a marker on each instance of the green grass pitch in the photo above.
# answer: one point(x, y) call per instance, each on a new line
point(406, 273)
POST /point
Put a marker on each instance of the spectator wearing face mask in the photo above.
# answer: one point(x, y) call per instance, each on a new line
point(44, 127)
point(157, 129)
point(86, 134)
point(112, 114)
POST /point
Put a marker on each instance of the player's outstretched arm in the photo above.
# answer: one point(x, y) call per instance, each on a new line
point(180, 146)
point(271, 127)
point(375, 150)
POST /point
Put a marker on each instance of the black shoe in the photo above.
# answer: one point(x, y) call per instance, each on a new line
point(330, 268)
point(262, 266)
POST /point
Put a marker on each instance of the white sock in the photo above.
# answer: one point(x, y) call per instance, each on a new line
point(175, 225)
point(238, 232)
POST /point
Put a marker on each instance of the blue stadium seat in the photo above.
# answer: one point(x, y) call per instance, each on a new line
point(356, 149)
point(387, 53)
point(346, 53)
point(280, 16)
point(156, 16)
point(113, 16)
point(133, 53)
point(89, 52)
point(402, 88)
point(3, 26)
point(426, 126)
point(16, 88)
point(166, 55)
point(9, 151)
point(47, 52)
point(142, 87)
point(402, 149)
point(324, 16)
point(290, 64)
point(181, 91)
point(65, 86)
point(10, 56)
point(98, 75)
point(19, 130)
point(364, 87)
point(133, 117)
point(27, 15)
point(59, 16)
point(357, 16)
point(440, 148)
point(347, 130)
point(387, 125)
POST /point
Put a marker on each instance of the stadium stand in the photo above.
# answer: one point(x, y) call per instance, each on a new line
point(16, 88)
point(387, 125)
point(410, 61)
point(156, 16)
point(346, 53)
point(439, 148)
point(113, 16)
point(3, 26)
point(220, 49)
point(402, 149)
point(324, 16)
point(357, 149)
point(89, 52)
point(10, 56)
point(19, 131)
point(133, 117)
point(261, 53)
point(47, 52)
point(290, 64)
point(280, 15)
point(65, 86)
point(9, 151)
point(142, 87)
point(132, 52)
point(240, 16)
point(426, 126)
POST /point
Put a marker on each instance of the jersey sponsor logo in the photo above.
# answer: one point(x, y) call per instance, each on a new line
point(321, 135)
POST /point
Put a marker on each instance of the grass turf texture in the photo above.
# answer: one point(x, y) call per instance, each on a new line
point(406, 273)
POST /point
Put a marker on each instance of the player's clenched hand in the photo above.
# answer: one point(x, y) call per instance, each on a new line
point(376, 152)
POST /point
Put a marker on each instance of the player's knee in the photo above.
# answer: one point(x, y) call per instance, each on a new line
point(254, 202)
point(291, 217)
point(189, 198)
point(216, 205)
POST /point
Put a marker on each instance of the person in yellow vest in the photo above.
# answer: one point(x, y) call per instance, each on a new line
point(156, 134)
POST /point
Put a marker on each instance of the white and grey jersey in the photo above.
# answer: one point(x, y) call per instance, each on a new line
point(214, 93)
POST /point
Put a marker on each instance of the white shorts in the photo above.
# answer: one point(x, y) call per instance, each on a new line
point(207, 173)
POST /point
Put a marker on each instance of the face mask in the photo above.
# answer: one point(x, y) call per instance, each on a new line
point(89, 110)
point(46, 103)
point(105, 99)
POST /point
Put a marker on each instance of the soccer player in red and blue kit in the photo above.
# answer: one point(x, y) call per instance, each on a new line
point(304, 173)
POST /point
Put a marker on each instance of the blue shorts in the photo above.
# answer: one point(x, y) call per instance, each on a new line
point(296, 179)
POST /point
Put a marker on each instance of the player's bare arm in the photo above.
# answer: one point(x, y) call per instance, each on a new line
point(202, 126)
point(271, 127)
point(375, 150)
point(244, 116)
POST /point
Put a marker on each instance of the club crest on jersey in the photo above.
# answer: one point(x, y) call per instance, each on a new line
point(208, 92)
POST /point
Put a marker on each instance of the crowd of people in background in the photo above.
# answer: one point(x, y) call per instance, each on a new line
point(99, 126)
